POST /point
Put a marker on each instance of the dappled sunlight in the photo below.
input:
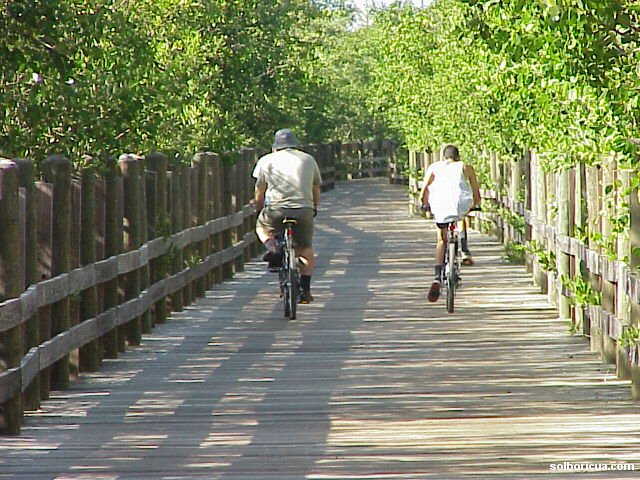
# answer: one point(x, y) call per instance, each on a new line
point(154, 404)
point(371, 381)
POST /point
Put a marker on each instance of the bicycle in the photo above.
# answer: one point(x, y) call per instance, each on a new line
point(289, 273)
point(452, 261)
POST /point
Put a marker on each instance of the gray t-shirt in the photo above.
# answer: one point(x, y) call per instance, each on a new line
point(289, 176)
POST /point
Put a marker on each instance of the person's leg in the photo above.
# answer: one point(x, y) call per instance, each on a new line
point(434, 290)
point(266, 236)
point(265, 231)
point(466, 254)
point(307, 262)
point(304, 252)
point(440, 247)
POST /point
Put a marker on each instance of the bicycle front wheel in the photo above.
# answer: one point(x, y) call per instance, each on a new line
point(451, 274)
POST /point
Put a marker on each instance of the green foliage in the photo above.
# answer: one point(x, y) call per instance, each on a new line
point(559, 77)
point(582, 293)
point(514, 219)
point(630, 336)
point(546, 259)
point(635, 251)
point(104, 77)
point(515, 252)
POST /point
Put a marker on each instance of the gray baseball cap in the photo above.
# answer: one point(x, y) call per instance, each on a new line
point(285, 138)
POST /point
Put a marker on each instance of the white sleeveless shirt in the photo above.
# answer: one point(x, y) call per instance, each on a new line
point(450, 196)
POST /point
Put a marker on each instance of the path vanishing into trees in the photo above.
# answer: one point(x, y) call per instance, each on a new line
point(370, 382)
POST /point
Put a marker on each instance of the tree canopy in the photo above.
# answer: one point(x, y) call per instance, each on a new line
point(106, 76)
point(103, 76)
point(558, 76)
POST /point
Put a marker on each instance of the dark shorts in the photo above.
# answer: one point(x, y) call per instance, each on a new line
point(271, 219)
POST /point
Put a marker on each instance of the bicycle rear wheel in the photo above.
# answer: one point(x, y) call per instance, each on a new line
point(451, 276)
point(293, 284)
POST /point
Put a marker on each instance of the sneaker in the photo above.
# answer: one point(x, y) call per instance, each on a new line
point(306, 297)
point(466, 259)
point(275, 261)
point(434, 291)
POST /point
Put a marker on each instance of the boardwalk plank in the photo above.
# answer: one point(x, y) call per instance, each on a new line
point(370, 382)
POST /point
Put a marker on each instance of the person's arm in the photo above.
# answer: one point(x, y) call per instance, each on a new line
point(316, 187)
point(316, 199)
point(424, 193)
point(473, 183)
point(259, 195)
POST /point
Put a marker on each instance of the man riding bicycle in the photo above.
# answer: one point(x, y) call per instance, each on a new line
point(450, 190)
point(288, 185)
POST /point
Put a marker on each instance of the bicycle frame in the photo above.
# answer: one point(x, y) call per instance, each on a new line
point(451, 268)
point(288, 274)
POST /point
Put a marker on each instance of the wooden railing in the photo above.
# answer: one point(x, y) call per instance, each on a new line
point(366, 159)
point(567, 224)
point(88, 262)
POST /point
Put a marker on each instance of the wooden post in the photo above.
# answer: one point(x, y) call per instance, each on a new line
point(74, 262)
point(218, 210)
point(552, 290)
point(594, 220)
point(563, 222)
point(158, 163)
point(44, 201)
point(112, 247)
point(580, 225)
point(151, 232)
point(227, 205)
point(209, 214)
point(540, 217)
point(11, 286)
point(634, 265)
point(130, 170)
point(90, 355)
point(251, 220)
point(57, 171)
point(495, 170)
point(245, 179)
point(623, 302)
point(236, 206)
point(185, 178)
point(199, 162)
point(175, 178)
point(335, 160)
point(31, 396)
point(527, 185)
point(608, 288)
point(414, 188)
point(145, 319)
point(510, 194)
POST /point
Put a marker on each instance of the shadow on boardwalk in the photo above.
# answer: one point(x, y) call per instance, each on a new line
point(371, 381)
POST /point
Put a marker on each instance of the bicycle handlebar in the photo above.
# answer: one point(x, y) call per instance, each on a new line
point(427, 208)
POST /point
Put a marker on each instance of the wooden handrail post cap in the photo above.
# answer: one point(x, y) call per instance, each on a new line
point(56, 166)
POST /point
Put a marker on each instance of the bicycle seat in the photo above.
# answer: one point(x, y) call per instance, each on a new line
point(286, 220)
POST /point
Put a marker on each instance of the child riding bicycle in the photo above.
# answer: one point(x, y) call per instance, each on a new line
point(450, 190)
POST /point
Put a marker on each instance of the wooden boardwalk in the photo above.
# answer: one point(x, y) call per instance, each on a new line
point(371, 381)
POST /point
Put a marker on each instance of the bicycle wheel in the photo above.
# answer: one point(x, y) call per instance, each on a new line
point(451, 275)
point(292, 283)
point(284, 286)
